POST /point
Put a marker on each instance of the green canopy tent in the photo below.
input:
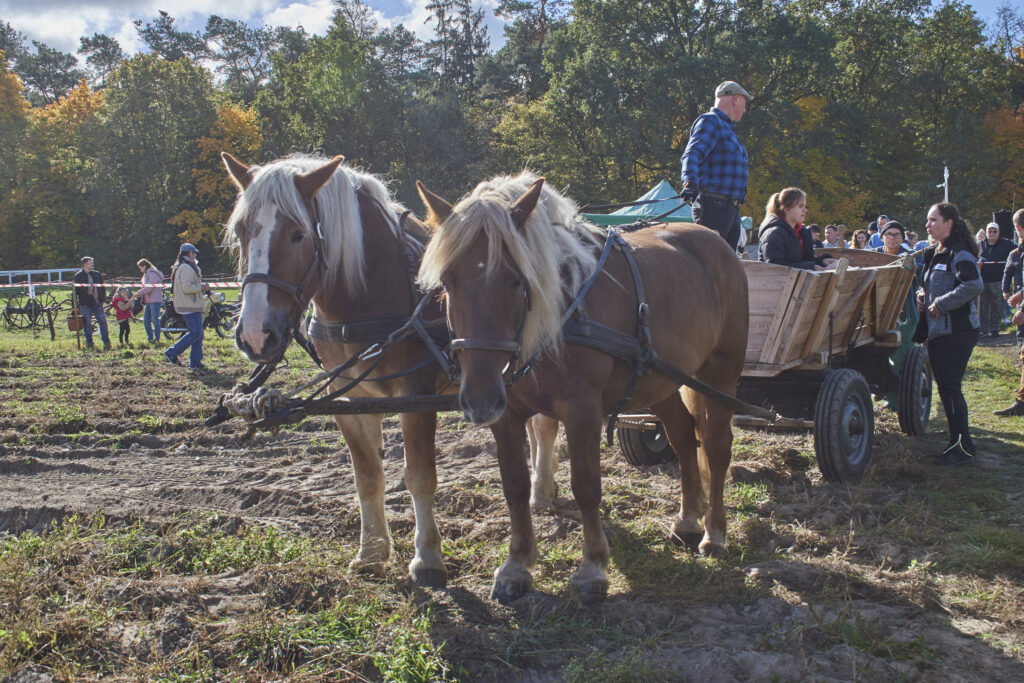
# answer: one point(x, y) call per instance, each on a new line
point(669, 201)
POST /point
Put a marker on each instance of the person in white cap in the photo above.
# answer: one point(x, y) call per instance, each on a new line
point(715, 164)
point(188, 288)
point(995, 250)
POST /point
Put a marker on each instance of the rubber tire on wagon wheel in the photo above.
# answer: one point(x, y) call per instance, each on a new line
point(645, 447)
point(914, 397)
point(844, 426)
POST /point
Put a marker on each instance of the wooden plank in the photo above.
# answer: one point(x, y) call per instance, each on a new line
point(818, 328)
point(816, 359)
point(809, 301)
point(770, 291)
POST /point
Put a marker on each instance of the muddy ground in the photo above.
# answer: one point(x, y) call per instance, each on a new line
point(823, 581)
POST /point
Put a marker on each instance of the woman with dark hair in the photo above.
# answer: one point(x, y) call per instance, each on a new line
point(948, 303)
point(782, 238)
point(152, 298)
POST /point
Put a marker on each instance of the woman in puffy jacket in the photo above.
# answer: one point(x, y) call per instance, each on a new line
point(948, 302)
point(782, 238)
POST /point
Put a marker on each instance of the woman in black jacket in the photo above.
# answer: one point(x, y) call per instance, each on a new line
point(948, 303)
point(782, 238)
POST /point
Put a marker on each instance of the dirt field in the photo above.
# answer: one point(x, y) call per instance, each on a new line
point(916, 573)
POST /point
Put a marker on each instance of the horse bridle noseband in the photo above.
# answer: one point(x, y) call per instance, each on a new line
point(513, 346)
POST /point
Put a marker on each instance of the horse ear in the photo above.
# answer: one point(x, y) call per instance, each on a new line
point(524, 206)
point(437, 209)
point(310, 183)
point(240, 173)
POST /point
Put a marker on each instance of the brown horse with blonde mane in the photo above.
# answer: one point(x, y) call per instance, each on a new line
point(305, 229)
point(511, 256)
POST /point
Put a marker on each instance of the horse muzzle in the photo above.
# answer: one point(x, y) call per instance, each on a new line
point(483, 408)
point(266, 345)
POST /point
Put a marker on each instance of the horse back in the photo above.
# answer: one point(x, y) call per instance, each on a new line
point(695, 288)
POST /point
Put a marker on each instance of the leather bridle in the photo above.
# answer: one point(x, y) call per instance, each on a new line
point(296, 292)
point(513, 346)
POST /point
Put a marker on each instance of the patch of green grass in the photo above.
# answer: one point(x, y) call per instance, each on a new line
point(345, 640)
point(194, 547)
point(598, 667)
point(151, 423)
point(750, 497)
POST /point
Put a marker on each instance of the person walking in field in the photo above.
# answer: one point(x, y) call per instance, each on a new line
point(188, 288)
point(715, 164)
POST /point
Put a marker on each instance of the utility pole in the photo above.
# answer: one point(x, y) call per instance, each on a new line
point(945, 183)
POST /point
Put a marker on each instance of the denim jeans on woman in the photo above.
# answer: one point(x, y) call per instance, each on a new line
point(193, 341)
point(151, 319)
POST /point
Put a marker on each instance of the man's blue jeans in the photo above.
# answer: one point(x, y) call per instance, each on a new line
point(193, 340)
point(151, 319)
point(88, 312)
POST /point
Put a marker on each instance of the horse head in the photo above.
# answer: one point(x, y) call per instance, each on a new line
point(487, 295)
point(282, 251)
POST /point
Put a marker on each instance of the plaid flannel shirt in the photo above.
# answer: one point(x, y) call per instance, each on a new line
point(715, 160)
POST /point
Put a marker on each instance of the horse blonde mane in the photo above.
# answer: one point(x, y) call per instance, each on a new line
point(337, 210)
point(553, 252)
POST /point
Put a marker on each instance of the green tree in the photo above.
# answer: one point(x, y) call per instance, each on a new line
point(166, 41)
point(48, 74)
point(144, 154)
point(103, 54)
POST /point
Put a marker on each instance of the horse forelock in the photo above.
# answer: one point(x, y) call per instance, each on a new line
point(336, 205)
point(553, 253)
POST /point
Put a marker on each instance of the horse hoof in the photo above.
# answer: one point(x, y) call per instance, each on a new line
point(375, 568)
point(688, 539)
point(542, 504)
point(509, 590)
point(592, 592)
point(709, 549)
point(429, 577)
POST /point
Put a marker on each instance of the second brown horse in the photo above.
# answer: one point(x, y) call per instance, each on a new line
point(511, 257)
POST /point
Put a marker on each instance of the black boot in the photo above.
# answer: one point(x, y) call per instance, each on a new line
point(954, 455)
point(1016, 409)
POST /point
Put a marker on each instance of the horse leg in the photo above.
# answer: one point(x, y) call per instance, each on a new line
point(584, 439)
point(513, 579)
point(680, 428)
point(544, 461)
point(363, 436)
point(715, 430)
point(426, 568)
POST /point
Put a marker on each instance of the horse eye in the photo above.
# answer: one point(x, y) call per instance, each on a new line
point(296, 236)
point(517, 283)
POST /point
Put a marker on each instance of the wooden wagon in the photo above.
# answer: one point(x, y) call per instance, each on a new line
point(820, 345)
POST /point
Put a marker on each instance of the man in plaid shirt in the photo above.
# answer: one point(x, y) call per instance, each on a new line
point(715, 164)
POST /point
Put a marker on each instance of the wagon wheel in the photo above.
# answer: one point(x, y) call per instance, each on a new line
point(844, 426)
point(47, 302)
point(21, 312)
point(914, 398)
point(644, 447)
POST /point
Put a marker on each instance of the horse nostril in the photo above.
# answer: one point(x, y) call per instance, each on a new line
point(271, 340)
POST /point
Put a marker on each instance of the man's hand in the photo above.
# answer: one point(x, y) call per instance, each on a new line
point(689, 193)
point(1016, 298)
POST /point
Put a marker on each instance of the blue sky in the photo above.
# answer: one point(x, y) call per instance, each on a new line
point(60, 23)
